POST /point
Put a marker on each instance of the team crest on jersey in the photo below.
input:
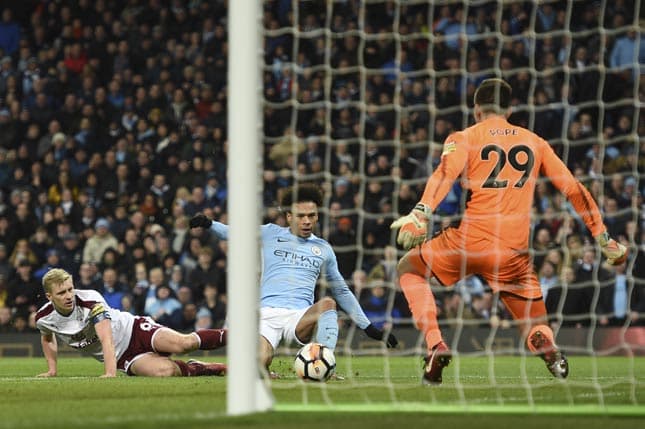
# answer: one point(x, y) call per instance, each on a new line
point(316, 250)
point(449, 147)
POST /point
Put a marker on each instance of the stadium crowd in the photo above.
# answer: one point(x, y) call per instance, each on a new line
point(113, 134)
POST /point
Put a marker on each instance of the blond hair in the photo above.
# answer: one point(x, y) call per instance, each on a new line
point(53, 277)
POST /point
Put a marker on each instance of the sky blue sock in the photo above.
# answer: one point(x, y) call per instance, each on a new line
point(327, 333)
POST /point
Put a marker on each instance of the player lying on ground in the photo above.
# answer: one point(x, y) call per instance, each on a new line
point(133, 344)
point(293, 259)
point(499, 164)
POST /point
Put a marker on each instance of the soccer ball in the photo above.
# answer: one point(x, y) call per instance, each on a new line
point(315, 362)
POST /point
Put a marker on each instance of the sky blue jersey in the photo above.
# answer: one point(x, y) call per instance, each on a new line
point(291, 266)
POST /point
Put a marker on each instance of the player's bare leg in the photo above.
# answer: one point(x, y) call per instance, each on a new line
point(266, 356)
point(154, 365)
point(412, 278)
point(167, 340)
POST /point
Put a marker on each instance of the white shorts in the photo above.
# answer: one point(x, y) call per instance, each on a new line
point(277, 324)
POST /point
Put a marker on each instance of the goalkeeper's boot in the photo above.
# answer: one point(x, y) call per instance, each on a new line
point(216, 369)
point(435, 362)
point(556, 361)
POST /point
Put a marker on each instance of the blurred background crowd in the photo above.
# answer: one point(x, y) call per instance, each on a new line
point(113, 134)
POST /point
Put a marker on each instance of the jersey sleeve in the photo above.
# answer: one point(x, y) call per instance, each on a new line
point(342, 294)
point(99, 312)
point(576, 193)
point(44, 330)
point(453, 161)
point(220, 230)
point(99, 308)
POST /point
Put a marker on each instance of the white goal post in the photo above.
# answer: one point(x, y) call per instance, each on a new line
point(246, 392)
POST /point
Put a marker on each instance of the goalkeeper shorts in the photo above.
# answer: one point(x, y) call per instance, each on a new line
point(453, 255)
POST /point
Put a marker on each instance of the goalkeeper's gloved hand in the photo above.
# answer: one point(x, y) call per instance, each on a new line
point(200, 220)
point(413, 226)
point(377, 334)
point(615, 252)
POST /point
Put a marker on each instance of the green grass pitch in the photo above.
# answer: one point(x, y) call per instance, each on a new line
point(378, 392)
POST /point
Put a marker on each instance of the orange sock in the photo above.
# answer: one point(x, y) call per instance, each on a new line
point(422, 305)
point(547, 333)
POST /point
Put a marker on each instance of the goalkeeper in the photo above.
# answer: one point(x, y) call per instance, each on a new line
point(293, 260)
point(499, 165)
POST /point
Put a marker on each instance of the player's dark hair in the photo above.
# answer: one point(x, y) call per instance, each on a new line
point(493, 94)
point(301, 194)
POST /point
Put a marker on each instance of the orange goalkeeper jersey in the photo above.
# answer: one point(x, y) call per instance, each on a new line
point(500, 163)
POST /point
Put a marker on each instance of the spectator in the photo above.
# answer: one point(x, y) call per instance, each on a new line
point(22, 252)
point(10, 33)
point(548, 278)
point(112, 289)
point(385, 269)
point(204, 319)
point(343, 193)
point(215, 304)
point(140, 288)
point(88, 277)
point(343, 238)
point(624, 55)
point(176, 278)
point(40, 242)
point(20, 323)
point(5, 320)
point(189, 256)
point(377, 301)
point(179, 233)
point(52, 260)
point(23, 292)
point(185, 296)
point(63, 183)
point(197, 203)
point(164, 308)
point(24, 223)
point(188, 317)
point(102, 240)
point(5, 267)
point(581, 293)
point(205, 272)
point(614, 299)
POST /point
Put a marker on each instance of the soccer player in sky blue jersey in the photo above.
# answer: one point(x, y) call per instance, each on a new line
point(293, 258)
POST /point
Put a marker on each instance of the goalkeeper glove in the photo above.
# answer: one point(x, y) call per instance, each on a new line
point(200, 220)
point(378, 335)
point(413, 226)
point(615, 252)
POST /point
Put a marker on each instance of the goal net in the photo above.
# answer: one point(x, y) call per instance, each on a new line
point(359, 97)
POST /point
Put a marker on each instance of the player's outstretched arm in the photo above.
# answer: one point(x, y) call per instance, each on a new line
point(413, 227)
point(50, 350)
point(200, 220)
point(104, 332)
point(348, 302)
point(583, 203)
